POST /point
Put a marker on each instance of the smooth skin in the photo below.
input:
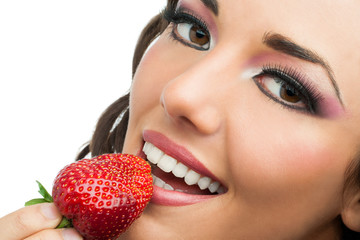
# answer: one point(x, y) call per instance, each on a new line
point(284, 169)
point(34, 223)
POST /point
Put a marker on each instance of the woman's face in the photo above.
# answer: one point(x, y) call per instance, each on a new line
point(260, 99)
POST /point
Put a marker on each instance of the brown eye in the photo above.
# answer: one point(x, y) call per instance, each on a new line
point(198, 36)
point(281, 91)
point(193, 34)
point(289, 94)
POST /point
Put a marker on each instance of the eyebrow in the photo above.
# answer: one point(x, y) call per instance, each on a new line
point(212, 5)
point(283, 44)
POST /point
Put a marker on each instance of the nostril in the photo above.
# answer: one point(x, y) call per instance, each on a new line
point(186, 121)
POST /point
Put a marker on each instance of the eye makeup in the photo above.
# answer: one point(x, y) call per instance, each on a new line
point(292, 84)
point(200, 11)
point(280, 69)
point(314, 99)
point(307, 79)
point(188, 28)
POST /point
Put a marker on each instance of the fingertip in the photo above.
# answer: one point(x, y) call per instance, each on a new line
point(29, 220)
point(50, 211)
point(71, 234)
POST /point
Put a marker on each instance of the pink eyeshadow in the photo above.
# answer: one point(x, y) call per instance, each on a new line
point(199, 9)
point(330, 107)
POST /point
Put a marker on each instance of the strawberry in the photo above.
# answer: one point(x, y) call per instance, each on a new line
point(102, 196)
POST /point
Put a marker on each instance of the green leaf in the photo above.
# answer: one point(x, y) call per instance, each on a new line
point(65, 223)
point(47, 197)
point(35, 201)
point(44, 193)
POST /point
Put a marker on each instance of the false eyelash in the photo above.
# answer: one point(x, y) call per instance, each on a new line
point(296, 79)
point(182, 15)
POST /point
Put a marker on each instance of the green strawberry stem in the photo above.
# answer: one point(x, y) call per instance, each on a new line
point(47, 198)
point(65, 223)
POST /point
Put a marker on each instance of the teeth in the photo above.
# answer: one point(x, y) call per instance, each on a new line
point(192, 177)
point(204, 182)
point(214, 186)
point(152, 152)
point(161, 183)
point(221, 190)
point(169, 164)
point(158, 181)
point(180, 170)
point(147, 147)
point(168, 187)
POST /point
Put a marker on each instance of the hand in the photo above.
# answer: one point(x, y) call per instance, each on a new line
point(35, 222)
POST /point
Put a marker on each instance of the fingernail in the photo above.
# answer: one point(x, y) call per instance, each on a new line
point(71, 234)
point(50, 211)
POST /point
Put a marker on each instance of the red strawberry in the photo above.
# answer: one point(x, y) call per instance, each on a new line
point(103, 196)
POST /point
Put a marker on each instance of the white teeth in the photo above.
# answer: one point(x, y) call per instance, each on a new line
point(204, 182)
point(168, 187)
point(214, 186)
point(153, 153)
point(158, 181)
point(146, 147)
point(161, 183)
point(180, 170)
point(192, 177)
point(169, 164)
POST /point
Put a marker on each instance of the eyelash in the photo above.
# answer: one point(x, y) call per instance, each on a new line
point(182, 15)
point(290, 76)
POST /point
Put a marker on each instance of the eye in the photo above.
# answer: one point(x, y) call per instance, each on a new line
point(282, 90)
point(188, 28)
point(288, 88)
point(193, 34)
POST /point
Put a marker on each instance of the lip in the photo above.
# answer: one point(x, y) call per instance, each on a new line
point(174, 198)
point(178, 152)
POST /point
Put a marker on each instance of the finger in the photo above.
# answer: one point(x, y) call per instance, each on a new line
point(29, 220)
point(56, 234)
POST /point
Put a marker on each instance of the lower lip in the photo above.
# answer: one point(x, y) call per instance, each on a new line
point(173, 198)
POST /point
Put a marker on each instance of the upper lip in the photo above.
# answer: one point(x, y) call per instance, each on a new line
point(178, 152)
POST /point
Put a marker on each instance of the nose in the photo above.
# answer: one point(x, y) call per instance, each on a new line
point(191, 100)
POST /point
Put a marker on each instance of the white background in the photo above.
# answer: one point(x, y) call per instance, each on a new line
point(61, 64)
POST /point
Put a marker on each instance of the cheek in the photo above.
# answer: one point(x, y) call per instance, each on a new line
point(144, 95)
point(280, 158)
point(148, 80)
point(164, 61)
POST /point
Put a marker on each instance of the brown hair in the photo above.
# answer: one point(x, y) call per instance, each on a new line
point(109, 136)
point(111, 128)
